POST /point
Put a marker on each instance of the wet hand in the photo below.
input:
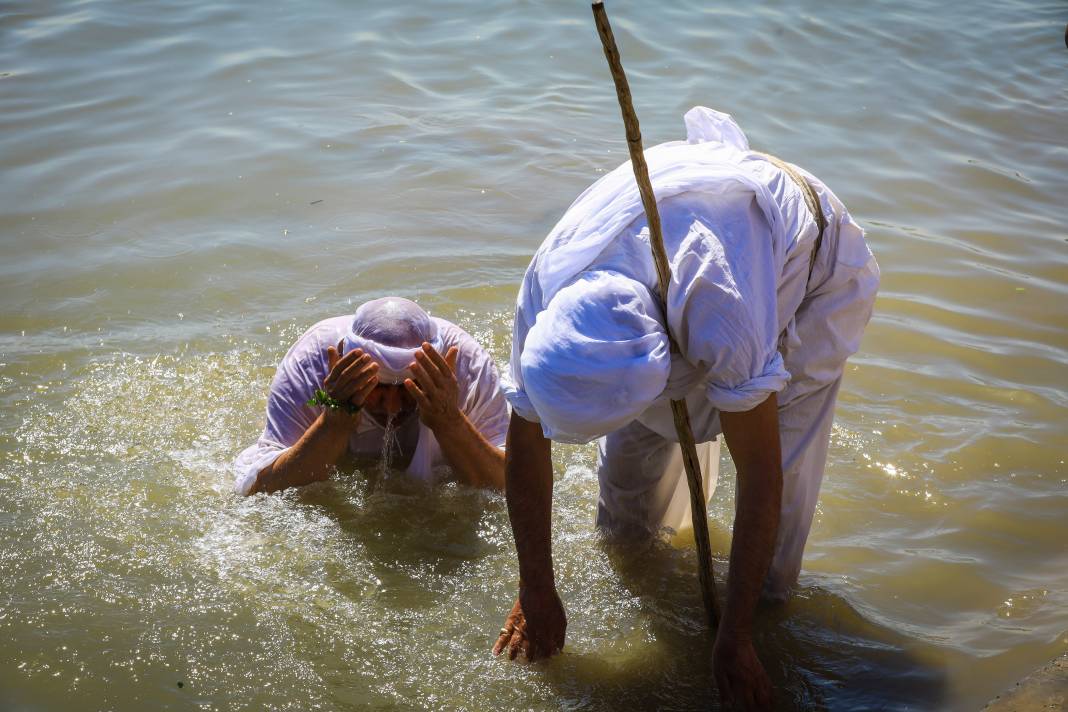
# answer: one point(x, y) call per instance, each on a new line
point(435, 388)
point(743, 684)
point(535, 628)
point(351, 378)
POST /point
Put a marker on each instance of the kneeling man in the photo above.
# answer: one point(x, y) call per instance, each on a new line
point(391, 371)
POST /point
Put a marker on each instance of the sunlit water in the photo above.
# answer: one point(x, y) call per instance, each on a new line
point(187, 186)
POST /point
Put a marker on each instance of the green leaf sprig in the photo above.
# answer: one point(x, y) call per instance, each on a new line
point(321, 398)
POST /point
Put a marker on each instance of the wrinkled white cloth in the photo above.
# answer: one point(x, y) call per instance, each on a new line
point(749, 318)
point(391, 319)
point(303, 369)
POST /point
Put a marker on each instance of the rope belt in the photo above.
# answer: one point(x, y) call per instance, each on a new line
point(811, 200)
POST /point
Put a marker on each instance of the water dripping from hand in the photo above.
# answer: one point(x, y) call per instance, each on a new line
point(390, 445)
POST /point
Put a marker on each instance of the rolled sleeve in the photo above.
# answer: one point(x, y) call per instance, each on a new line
point(528, 304)
point(517, 397)
point(251, 462)
point(748, 394)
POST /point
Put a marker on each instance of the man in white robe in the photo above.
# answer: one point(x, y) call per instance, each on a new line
point(391, 364)
point(769, 297)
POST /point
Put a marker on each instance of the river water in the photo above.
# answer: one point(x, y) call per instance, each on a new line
point(187, 186)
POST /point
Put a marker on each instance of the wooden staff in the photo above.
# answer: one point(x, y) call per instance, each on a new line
point(663, 274)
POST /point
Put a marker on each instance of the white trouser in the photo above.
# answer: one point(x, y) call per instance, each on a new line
point(643, 483)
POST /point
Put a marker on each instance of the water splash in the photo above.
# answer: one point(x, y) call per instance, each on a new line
point(390, 446)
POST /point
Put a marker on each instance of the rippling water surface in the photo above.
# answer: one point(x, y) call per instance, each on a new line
point(189, 185)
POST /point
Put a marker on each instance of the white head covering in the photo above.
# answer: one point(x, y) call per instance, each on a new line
point(596, 357)
point(390, 330)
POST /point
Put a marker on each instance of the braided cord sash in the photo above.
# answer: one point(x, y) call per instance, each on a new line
point(811, 200)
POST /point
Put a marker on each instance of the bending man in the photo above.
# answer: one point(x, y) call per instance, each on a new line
point(391, 367)
point(772, 287)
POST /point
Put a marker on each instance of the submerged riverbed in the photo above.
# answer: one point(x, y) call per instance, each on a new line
point(188, 186)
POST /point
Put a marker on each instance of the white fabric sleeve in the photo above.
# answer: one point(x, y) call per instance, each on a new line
point(483, 401)
point(723, 308)
point(299, 374)
point(528, 304)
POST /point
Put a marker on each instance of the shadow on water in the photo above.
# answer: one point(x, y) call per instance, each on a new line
point(820, 653)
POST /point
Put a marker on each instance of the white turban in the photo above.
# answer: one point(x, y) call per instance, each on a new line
point(596, 357)
point(390, 330)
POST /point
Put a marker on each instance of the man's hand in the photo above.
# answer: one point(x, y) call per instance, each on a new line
point(351, 379)
point(436, 392)
point(743, 684)
point(434, 388)
point(540, 635)
point(753, 439)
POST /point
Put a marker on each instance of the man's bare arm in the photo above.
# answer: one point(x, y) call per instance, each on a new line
point(312, 457)
point(537, 623)
point(477, 462)
point(350, 379)
point(753, 440)
point(529, 490)
point(437, 393)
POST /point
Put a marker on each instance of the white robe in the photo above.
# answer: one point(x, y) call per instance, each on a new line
point(302, 371)
point(748, 316)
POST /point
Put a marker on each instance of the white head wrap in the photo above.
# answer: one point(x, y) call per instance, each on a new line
point(596, 357)
point(390, 330)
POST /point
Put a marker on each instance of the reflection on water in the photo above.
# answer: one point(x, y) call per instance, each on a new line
point(187, 187)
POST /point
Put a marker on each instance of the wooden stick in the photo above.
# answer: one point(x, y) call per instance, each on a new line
point(663, 273)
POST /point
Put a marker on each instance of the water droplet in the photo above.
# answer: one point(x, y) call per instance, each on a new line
point(390, 444)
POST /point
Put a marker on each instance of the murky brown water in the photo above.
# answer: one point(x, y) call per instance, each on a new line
point(187, 186)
